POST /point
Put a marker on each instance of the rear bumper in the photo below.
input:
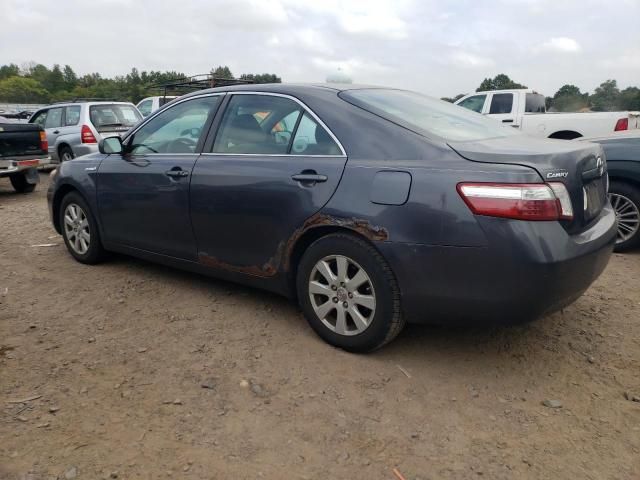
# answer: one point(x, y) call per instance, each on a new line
point(528, 270)
point(12, 165)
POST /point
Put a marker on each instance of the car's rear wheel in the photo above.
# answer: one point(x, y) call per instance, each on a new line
point(80, 230)
point(625, 199)
point(20, 184)
point(349, 294)
point(66, 154)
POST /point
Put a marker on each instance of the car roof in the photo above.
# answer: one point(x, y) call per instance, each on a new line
point(287, 88)
point(90, 102)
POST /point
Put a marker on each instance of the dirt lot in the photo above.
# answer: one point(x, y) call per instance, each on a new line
point(139, 371)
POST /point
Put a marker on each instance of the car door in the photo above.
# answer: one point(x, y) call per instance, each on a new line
point(52, 125)
point(143, 193)
point(503, 107)
point(474, 103)
point(273, 164)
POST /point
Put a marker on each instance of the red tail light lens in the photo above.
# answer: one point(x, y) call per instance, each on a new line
point(44, 144)
point(87, 135)
point(536, 201)
point(622, 124)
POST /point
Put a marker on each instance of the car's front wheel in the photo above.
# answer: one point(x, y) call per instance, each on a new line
point(625, 199)
point(349, 294)
point(80, 230)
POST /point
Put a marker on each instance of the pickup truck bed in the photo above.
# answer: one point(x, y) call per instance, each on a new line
point(23, 148)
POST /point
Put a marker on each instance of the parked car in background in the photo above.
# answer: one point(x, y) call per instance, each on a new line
point(75, 128)
point(151, 104)
point(23, 148)
point(525, 110)
point(622, 151)
point(371, 206)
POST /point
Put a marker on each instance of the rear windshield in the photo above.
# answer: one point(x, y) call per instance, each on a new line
point(534, 103)
point(114, 115)
point(425, 115)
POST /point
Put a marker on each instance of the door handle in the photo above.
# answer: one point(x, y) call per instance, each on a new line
point(56, 131)
point(507, 120)
point(309, 177)
point(176, 173)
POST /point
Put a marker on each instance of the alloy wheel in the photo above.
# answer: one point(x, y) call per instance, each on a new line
point(627, 214)
point(76, 227)
point(342, 295)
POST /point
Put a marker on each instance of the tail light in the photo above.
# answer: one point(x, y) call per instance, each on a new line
point(622, 124)
point(87, 135)
point(519, 201)
point(44, 143)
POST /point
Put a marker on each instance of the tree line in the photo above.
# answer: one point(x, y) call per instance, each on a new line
point(36, 83)
point(606, 98)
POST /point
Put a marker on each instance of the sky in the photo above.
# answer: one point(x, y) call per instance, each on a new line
point(440, 48)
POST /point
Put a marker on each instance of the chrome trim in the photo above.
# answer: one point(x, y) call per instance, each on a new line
point(284, 155)
point(307, 109)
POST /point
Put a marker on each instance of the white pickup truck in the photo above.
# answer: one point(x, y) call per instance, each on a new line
point(525, 109)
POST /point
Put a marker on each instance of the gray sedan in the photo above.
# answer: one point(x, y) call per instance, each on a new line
point(370, 207)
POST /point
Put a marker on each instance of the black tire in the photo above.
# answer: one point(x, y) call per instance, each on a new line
point(631, 193)
point(386, 321)
point(65, 152)
point(95, 252)
point(20, 184)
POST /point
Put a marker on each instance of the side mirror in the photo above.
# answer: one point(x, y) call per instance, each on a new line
point(110, 145)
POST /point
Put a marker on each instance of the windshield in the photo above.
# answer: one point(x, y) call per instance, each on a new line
point(114, 115)
point(425, 115)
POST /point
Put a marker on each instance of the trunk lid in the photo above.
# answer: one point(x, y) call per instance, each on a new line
point(20, 139)
point(580, 166)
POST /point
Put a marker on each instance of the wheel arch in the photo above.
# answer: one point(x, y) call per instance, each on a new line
point(565, 135)
point(304, 242)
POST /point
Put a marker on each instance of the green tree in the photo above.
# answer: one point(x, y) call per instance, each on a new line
point(261, 77)
point(499, 82)
point(222, 72)
point(569, 98)
point(54, 80)
point(22, 90)
point(606, 97)
point(11, 70)
point(70, 78)
point(630, 98)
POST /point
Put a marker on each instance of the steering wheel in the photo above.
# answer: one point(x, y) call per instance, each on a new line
point(186, 142)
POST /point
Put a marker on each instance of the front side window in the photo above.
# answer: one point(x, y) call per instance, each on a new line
point(426, 116)
point(40, 118)
point(474, 103)
point(54, 118)
point(176, 130)
point(72, 116)
point(257, 124)
point(145, 107)
point(312, 139)
point(501, 103)
point(106, 116)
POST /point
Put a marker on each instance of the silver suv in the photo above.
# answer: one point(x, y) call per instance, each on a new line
point(75, 128)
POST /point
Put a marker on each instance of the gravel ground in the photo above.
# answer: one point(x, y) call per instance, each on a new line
point(131, 370)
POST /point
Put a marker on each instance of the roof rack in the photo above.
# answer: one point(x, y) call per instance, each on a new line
point(78, 100)
point(183, 85)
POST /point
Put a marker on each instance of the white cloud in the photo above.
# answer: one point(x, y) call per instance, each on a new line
point(470, 60)
point(561, 44)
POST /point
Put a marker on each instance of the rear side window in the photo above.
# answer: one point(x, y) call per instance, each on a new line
point(72, 116)
point(54, 118)
point(312, 139)
point(113, 115)
point(145, 107)
point(474, 103)
point(501, 103)
point(425, 115)
point(534, 103)
point(257, 124)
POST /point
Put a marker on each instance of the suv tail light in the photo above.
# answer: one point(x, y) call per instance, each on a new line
point(87, 135)
point(519, 201)
point(622, 124)
point(44, 143)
